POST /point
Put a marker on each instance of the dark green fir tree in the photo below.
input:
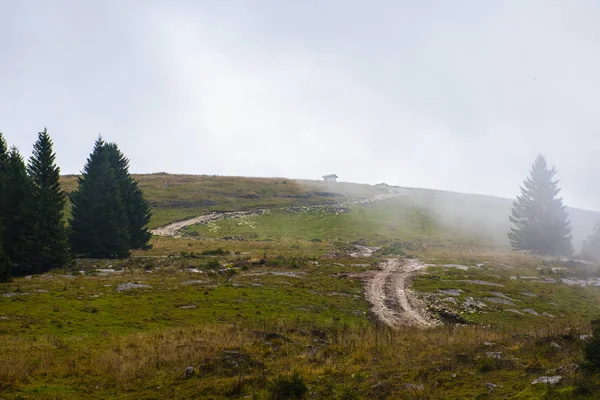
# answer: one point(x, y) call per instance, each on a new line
point(99, 227)
point(17, 222)
point(136, 206)
point(49, 238)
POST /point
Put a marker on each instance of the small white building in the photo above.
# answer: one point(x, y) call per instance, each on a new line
point(330, 178)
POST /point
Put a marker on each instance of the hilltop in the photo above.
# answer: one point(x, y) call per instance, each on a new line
point(179, 197)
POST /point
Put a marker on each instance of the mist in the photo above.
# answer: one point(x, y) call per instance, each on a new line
point(457, 97)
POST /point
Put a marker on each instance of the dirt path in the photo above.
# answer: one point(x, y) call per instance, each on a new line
point(172, 229)
point(391, 299)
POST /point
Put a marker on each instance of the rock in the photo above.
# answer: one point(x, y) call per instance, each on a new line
point(488, 344)
point(130, 286)
point(555, 345)
point(584, 337)
point(450, 300)
point(189, 306)
point(413, 386)
point(530, 311)
point(496, 355)
point(549, 380)
point(514, 311)
point(192, 282)
point(545, 314)
point(472, 303)
point(490, 386)
point(189, 372)
point(528, 294)
point(450, 292)
point(499, 300)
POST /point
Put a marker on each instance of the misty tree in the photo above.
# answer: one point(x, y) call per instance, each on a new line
point(591, 246)
point(539, 219)
point(49, 237)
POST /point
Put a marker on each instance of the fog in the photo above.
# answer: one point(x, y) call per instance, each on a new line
point(457, 96)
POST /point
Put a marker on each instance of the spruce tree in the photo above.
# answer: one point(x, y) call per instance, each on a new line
point(540, 221)
point(591, 246)
point(136, 206)
point(17, 222)
point(99, 227)
point(49, 238)
point(4, 155)
point(5, 267)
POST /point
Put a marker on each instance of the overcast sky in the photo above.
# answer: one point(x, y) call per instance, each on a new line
point(456, 95)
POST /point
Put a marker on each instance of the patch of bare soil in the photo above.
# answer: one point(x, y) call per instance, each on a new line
point(390, 298)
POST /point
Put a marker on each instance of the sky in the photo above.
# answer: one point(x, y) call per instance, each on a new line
point(457, 95)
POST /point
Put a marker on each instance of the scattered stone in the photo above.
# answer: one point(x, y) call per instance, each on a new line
point(486, 343)
point(450, 292)
point(480, 282)
point(490, 386)
point(553, 304)
point(472, 303)
point(502, 295)
point(452, 300)
point(499, 300)
point(530, 311)
point(189, 306)
point(549, 380)
point(192, 282)
point(496, 355)
point(413, 386)
point(189, 372)
point(461, 267)
point(2, 318)
point(528, 294)
point(42, 291)
point(130, 286)
point(514, 311)
point(555, 345)
point(547, 314)
point(196, 271)
point(584, 337)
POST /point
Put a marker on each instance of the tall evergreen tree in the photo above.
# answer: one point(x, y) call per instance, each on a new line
point(17, 222)
point(591, 246)
point(4, 155)
point(49, 238)
point(5, 267)
point(99, 227)
point(540, 221)
point(136, 206)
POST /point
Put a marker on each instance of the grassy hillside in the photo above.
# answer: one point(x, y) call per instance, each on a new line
point(178, 197)
point(249, 302)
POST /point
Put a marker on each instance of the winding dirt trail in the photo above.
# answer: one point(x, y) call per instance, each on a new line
point(172, 229)
point(391, 299)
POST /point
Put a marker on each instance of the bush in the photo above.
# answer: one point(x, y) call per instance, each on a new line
point(285, 387)
point(592, 348)
point(217, 252)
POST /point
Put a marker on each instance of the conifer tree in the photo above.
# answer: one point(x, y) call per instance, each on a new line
point(99, 227)
point(591, 246)
point(4, 155)
point(5, 267)
point(17, 222)
point(136, 206)
point(540, 221)
point(49, 237)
